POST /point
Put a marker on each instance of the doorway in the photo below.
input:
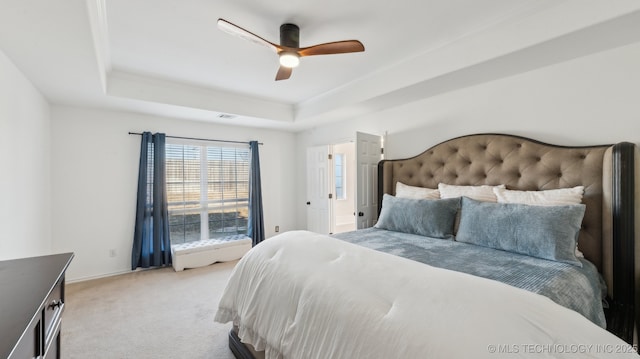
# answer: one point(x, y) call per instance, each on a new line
point(342, 184)
point(343, 204)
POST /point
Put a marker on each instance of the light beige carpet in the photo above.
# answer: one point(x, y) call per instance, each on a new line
point(156, 313)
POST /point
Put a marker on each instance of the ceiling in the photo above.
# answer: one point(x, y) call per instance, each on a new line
point(167, 57)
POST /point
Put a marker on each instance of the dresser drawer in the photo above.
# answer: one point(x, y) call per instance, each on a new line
point(52, 351)
point(30, 345)
point(53, 307)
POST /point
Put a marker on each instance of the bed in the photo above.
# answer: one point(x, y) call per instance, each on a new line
point(351, 296)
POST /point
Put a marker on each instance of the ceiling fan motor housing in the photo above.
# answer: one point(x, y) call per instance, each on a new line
point(290, 35)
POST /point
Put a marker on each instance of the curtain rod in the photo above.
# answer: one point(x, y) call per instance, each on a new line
point(197, 139)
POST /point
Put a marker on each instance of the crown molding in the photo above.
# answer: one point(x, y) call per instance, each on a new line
point(97, 12)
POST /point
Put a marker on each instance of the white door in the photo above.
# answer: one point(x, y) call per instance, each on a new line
point(318, 189)
point(368, 154)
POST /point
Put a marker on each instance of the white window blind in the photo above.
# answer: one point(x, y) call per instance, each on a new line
point(207, 190)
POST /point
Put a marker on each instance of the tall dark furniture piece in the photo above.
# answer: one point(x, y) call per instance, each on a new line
point(31, 306)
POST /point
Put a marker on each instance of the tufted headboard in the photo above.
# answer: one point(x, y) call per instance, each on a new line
point(525, 164)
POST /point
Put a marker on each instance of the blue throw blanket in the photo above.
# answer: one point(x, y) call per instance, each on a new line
point(579, 289)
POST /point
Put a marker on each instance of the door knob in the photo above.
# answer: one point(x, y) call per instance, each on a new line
point(360, 214)
point(308, 203)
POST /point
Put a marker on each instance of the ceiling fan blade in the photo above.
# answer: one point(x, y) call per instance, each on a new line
point(338, 47)
point(283, 73)
point(236, 30)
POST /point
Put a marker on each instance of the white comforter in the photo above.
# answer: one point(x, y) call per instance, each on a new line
point(303, 295)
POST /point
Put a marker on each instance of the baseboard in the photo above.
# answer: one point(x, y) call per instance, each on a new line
point(84, 279)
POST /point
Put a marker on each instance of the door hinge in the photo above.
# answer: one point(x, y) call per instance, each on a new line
point(330, 195)
point(382, 150)
point(330, 156)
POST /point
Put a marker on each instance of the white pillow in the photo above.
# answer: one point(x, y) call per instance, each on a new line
point(406, 191)
point(482, 193)
point(551, 197)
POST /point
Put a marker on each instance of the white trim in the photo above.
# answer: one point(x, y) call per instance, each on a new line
point(211, 143)
point(91, 277)
point(203, 206)
point(97, 11)
point(343, 175)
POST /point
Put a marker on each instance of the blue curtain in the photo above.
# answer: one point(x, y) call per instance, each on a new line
point(151, 244)
point(256, 220)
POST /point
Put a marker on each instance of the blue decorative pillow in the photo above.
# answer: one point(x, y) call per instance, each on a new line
point(548, 232)
point(430, 218)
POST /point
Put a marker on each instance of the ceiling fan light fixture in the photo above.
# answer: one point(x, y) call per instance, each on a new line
point(289, 59)
point(289, 50)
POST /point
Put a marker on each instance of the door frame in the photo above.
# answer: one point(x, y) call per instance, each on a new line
point(331, 179)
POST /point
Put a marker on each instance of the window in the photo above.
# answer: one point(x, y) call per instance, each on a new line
point(207, 191)
point(339, 170)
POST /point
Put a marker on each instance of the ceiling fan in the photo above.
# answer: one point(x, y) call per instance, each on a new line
point(288, 50)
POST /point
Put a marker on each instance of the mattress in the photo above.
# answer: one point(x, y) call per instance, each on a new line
point(306, 295)
point(579, 289)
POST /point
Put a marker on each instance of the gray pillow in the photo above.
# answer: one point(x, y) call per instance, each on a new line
point(430, 218)
point(548, 232)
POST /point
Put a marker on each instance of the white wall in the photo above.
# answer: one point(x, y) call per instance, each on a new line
point(87, 162)
point(95, 171)
point(25, 189)
point(590, 100)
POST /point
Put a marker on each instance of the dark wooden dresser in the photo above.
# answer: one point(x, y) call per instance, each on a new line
point(31, 306)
